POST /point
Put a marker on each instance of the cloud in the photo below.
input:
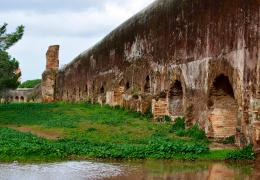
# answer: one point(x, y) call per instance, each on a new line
point(50, 5)
point(75, 25)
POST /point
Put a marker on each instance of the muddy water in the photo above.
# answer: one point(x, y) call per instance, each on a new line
point(130, 170)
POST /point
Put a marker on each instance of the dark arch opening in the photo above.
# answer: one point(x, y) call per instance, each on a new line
point(176, 99)
point(79, 92)
point(223, 108)
point(127, 85)
point(102, 90)
point(93, 87)
point(22, 99)
point(86, 88)
point(147, 87)
point(16, 98)
point(222, 86)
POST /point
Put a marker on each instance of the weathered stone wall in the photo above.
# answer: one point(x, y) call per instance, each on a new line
point(49, 75)
point(188, 41)
point(17, 95)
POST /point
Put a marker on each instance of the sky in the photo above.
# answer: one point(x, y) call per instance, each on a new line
point(75, 25)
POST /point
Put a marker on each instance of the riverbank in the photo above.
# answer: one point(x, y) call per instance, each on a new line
point(63, 131)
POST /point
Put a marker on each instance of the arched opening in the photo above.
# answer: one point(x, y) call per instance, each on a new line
point(86, 88)
point(16, 98)
point(176, 99)
point(22, 99)
point(102, 90)
point(127, 85)
point(223, 108)
point(79, 93)
point(93, 87)
point(147, 87)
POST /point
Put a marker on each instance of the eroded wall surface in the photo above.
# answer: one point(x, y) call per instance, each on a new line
point(196, 43)
point(49, 75)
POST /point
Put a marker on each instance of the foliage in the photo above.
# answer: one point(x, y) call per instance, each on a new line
point(193, 132)
point(30, 83)
point(148, 113)
point(11, 146)
point(8, 65)
point(167, 118)
point(228, 140)
point(8, 40)
point(178, 125)
point(246, 153)
point(164, 118)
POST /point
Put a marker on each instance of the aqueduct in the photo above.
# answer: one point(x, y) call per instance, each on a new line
point(197, 59)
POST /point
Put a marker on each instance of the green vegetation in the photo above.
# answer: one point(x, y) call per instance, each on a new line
point(61, 131)
point(179, 125)
point(8, 75)
point(194, 132)
point(30, 83)
point(228, 140)
point(246, 153)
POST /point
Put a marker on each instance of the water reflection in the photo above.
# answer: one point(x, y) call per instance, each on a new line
point(58, 171)
point(150, 170)
point(153, 170)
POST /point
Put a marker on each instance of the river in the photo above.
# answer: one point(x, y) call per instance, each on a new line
point(149, 169)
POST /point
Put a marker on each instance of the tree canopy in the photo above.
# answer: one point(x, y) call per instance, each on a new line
point(8, 40)
point(30, 83)
point(9, 76)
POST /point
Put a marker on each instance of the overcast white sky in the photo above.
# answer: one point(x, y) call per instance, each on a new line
point(75, 25)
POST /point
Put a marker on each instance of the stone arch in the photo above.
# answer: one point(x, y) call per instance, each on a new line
point(147, 86)
point(223, 108)
point(74, 91)
point(175, 99)
point(22, 99)
point(127, 85)
point(102, 90)
point(16, 98)
point(86, 88)
point(79, 92)
point(93, 87)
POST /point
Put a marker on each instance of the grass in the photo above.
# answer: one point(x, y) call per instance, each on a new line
point(64, 131)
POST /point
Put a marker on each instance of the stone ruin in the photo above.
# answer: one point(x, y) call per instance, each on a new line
point(49, 75)
point(195, 59)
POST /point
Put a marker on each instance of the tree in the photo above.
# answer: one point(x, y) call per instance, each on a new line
point(30, 83)
point(9, 77)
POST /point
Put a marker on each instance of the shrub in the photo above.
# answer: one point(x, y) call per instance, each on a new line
point(167, 118)
point(228, 140)
point(30, 83)
point(178, 125)
point(246, 153)
point(194, 132)
point(148, 113)
point(164, 118)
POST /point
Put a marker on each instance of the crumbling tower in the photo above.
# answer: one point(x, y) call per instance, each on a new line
point(50, 73)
